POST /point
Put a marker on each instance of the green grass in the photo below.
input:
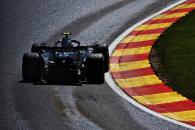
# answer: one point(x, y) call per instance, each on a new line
point(176, 50)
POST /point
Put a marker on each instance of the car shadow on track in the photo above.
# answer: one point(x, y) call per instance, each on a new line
point(59, 83)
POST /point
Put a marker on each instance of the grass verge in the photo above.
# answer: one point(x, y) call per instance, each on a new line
point(176, 50)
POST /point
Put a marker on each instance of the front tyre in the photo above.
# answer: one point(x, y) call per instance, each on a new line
point(95, 68)
point(32, 66)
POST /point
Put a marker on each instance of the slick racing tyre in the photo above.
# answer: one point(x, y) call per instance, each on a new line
point(95, 68)
point(32, 66)
point(103, 49)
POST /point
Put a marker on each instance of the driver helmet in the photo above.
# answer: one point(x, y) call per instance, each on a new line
point(66, 41)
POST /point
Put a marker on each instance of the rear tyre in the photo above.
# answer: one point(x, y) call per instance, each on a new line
point(103, 49)
point(95, 68)
point(32, 66)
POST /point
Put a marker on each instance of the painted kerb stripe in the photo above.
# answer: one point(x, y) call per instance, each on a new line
point(145, 87)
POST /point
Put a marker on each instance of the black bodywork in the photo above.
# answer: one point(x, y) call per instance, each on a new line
point(64, 64)
point(71, 64)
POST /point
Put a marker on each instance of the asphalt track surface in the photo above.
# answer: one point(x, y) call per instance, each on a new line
point(56, 107)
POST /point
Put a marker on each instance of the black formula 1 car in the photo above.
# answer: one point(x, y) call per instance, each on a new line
point(65, 62)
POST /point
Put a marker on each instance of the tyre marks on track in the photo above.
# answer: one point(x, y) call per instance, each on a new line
point(80, 24)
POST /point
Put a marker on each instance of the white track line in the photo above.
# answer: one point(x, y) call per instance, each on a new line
point(117, 89)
